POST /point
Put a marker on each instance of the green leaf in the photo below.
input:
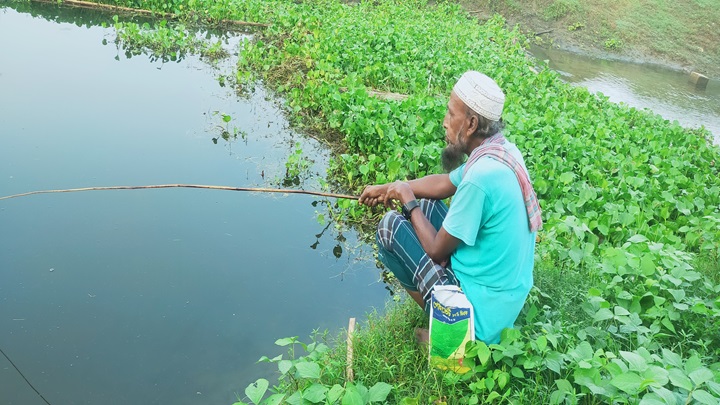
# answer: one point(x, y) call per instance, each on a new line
point(315, 393)
point(655, 376)
point(692, 364)
point(582, 351)
point(567, 177)
point(705, 397)
point(679, 379)
point(701, 375)
point(629, 382)
point(667, 396)
point(274, 399)
point(672, 358)
point(668, 324)
point(483, 352)
point(541, 343)
point(256, 390)
point(286, 341)
point(493, 396)
point(502, 379)
point(678, 295)
point(284, 366)
point(576, 254)
point(637, 239)
point(308, 370)
point(647, 265)
point(352, 397)
point(335, 392)
point(652, 398)
point(564, 386)
point(379, 392)
point(553, 361)
point(556, 397)
point(295, 398)
point(602, 314)
point(620, 311)
point(635, 361)
point(714, 387)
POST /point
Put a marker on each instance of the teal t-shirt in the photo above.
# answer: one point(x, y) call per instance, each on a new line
point(495, 258)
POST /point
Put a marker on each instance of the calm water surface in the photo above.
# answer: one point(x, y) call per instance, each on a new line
point(151, 296)
point(664, 91)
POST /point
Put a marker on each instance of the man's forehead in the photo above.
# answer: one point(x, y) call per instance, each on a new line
point(455, 101)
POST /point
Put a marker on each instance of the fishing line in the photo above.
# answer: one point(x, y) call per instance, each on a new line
point(24, 378)
point(252, 189)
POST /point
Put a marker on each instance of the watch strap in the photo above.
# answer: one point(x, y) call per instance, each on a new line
point(408, 207)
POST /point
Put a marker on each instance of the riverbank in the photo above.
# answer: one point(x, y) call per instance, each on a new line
point(676, 35)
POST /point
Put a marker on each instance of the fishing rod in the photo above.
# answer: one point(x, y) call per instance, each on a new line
point(228, 188)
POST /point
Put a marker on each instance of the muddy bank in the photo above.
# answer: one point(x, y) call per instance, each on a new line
point(589, 30)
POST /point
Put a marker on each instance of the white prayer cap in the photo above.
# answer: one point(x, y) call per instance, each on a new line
point(481, 94)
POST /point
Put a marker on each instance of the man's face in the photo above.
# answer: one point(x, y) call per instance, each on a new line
point(456, 125)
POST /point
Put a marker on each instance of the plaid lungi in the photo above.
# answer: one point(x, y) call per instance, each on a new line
point(401, 252)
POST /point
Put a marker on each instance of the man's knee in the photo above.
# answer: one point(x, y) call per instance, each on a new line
point(386, 229)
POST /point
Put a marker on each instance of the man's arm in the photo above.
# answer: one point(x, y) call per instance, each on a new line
point(434, 186)
point(439, 245)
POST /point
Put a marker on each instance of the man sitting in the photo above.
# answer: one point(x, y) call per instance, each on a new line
point(485, 241)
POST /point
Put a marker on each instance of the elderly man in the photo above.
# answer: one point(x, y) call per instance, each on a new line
point(485, 241)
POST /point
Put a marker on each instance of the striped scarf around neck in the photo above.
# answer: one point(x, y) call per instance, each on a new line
point(493, 147)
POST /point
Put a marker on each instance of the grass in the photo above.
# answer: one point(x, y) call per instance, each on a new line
point(384, 349)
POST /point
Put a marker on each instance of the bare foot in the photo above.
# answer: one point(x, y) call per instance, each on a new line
point(422, 336)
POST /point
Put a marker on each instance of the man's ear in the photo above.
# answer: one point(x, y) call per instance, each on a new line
point(472, 124)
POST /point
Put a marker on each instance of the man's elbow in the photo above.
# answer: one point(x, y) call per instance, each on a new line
point(438, 257)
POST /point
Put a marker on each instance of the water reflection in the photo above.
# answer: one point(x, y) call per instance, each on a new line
point(665, 92)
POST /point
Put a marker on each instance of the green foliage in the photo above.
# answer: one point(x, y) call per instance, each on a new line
point(164, 42)
point(226, 131)
point(575, 26)
point(613, 43)
point(296, 167)
point(302, 381)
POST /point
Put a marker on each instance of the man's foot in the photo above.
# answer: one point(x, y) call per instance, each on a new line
point(422, 337)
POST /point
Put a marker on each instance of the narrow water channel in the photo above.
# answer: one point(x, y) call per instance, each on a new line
point(664, 91)
point(152, 296)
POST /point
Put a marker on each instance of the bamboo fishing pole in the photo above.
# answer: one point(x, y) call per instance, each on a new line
point(252, 189)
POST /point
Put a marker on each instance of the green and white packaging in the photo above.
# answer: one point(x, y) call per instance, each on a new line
point(451, 327)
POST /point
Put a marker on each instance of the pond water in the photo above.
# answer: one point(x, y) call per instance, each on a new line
point(152, 296)
point(666, 92)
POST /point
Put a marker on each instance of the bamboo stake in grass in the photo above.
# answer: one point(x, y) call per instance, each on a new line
point(349, 375)
point(252, 189)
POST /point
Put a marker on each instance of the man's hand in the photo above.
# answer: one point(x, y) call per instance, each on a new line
point(387, 193)
point(400, 191)
point(373, 195)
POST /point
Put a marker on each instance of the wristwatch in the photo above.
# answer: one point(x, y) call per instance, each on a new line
point(408, 207)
